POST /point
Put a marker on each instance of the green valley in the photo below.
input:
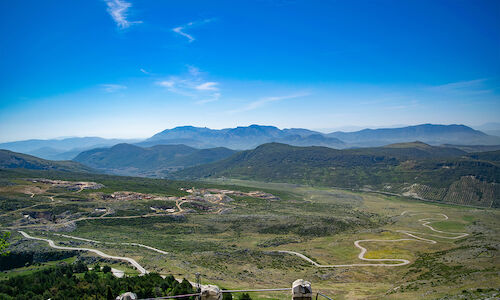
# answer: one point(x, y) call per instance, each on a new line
point(244, 234)
point(415, 170)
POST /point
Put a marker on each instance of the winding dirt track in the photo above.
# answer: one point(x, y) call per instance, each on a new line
point(398, 261)
point(414, 236)
point(103, 217)
point(27, 207)
point(111, 243)
point(116, 272)
point(98, 252)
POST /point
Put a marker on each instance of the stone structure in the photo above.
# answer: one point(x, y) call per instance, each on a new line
point(301, 290)
point(127, 296)
point(211, 292)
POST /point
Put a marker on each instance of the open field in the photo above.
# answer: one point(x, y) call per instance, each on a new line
point(235, 243)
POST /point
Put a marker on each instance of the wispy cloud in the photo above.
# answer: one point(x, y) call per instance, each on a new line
point(118, 11)
point(213, 98)
point(476, 86)
point(111, 88)
point(181, 30)
point(166, 83)
point(192, 85)
point(208, 86)
point(144, 71)
point(263, 101)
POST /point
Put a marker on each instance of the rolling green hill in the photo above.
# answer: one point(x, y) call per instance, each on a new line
point(412, 169)
point(13, 160)
point(126, 159)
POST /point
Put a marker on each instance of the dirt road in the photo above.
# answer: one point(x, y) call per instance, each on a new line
point(98, 252)
point(398, 261)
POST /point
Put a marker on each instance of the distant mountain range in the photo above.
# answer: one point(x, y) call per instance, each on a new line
point(427, 133)
point(156, 161)
point(254, 135)
point(413, 169)
point(490, 128)
point(244, 138)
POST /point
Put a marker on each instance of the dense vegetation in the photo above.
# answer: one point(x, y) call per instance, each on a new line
point(4, 236)
point(18, 259)
point(133, 160)
point(394, 168)
point(76, 281)
point(112, 183)
point(234, 248)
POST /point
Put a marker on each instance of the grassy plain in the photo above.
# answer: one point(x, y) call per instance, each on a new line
point(236, 249)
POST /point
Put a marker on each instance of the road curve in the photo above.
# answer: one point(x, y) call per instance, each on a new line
point(111, 243)
point(98, 252)
point(87, 218)
point(399, 261)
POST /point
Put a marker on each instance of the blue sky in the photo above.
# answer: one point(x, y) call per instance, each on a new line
point(130, 68)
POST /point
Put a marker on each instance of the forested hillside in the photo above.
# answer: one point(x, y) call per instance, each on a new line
point(413, 169)
point(13, 160)
point(126, 159)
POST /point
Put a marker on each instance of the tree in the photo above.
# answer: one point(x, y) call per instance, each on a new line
point(80, 267)
point(244, 296)
point(227, 296)
point(109, 293)
point(106, 269)
point(3, 243)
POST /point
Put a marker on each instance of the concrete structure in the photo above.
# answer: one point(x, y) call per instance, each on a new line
point(301, 290)
point(127, 296)
point(211, 292)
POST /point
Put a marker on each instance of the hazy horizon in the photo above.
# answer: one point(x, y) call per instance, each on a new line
point(347, 128)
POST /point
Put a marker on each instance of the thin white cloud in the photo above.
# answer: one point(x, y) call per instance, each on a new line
point(215, 97)
point(144, 71)
point(193, 85)
point(263, 101)
point(181, 30)
point(166, 83)
point(111, 88)
point(461, 84)
point(208, 86)
point(118, 11)
point(178, 85)
point(469, 87)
